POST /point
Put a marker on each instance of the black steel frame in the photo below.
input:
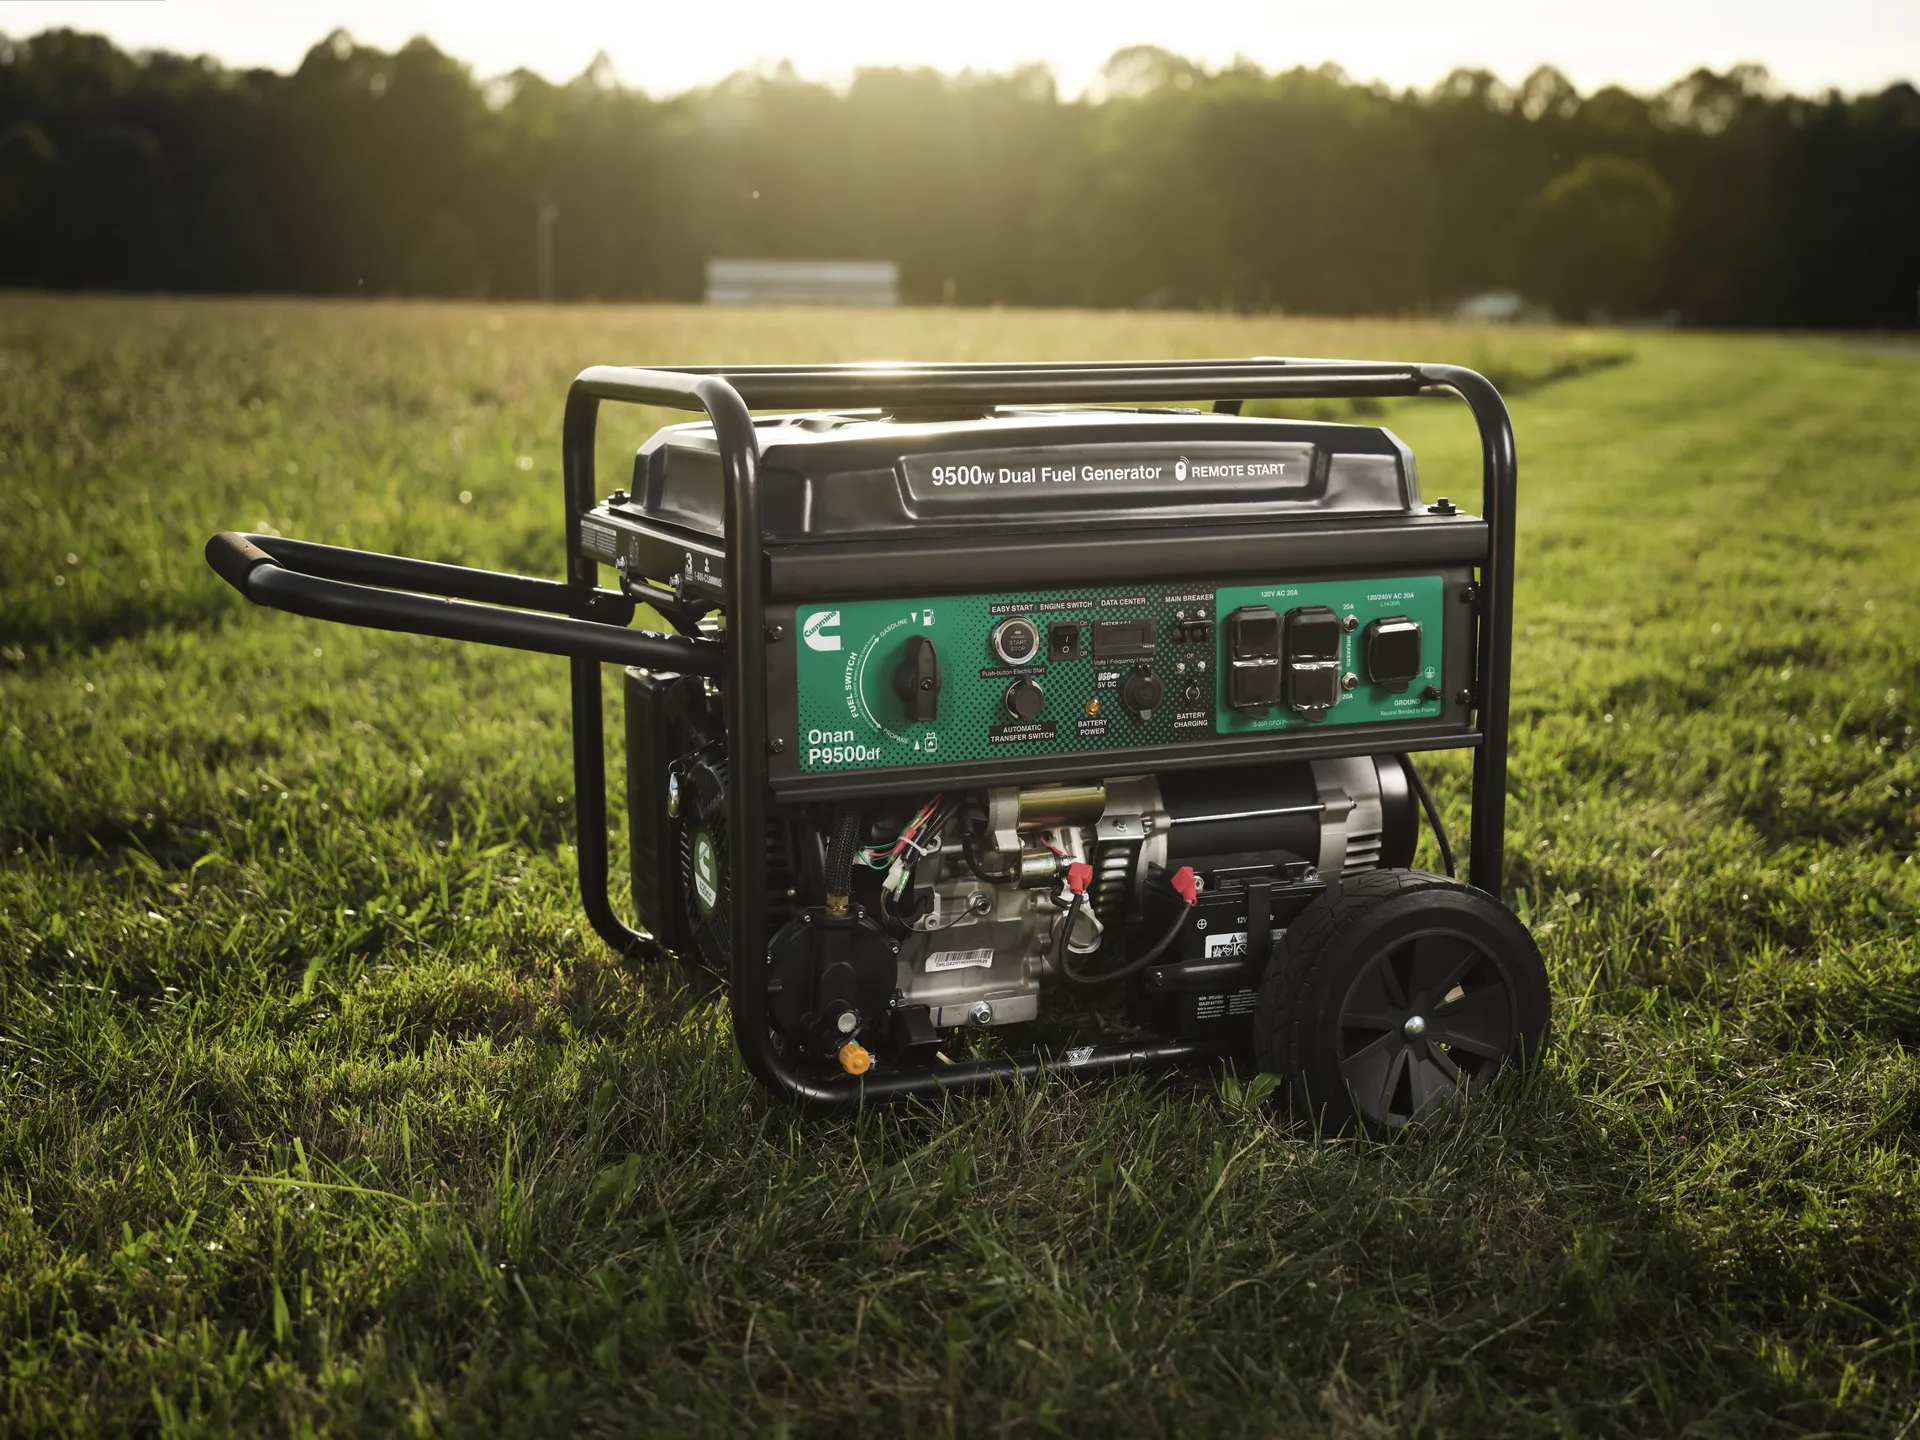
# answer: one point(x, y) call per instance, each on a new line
point(586, 623)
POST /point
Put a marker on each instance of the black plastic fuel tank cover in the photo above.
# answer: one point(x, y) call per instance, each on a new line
point(851, 476)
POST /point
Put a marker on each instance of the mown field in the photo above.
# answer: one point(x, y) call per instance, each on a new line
point(319, 1112)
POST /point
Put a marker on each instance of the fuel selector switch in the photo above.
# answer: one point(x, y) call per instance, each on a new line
point(916, 680)
point(1391, 648)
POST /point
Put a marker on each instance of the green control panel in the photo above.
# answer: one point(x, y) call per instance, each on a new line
point(1054, 672)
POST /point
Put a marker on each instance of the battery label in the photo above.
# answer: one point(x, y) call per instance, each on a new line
point(1223, 1006)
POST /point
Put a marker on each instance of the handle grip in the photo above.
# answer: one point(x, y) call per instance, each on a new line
point(287, 581)
point(234, 557)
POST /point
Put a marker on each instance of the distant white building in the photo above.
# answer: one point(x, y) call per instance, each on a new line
point(803, 282)
point(1505, 307)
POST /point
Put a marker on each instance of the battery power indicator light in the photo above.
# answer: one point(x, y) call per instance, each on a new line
point(1092, 707)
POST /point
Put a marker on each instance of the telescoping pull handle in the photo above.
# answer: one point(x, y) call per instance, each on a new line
point(421, 597)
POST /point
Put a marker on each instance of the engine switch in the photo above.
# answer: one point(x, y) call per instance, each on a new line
point(917, 679)
point(1063, 641)
point(1391, 647)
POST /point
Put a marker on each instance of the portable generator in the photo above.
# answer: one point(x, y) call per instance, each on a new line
point(1030, 717)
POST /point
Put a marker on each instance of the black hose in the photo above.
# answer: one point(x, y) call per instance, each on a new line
point(1132, 967)
point(1066, 933)
point(980, 872)
point(846, 838)
point(1433, 814)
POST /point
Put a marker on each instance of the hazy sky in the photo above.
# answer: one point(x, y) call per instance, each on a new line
point(1809, 45)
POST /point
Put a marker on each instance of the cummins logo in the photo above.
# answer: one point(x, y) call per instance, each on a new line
point(813, 631)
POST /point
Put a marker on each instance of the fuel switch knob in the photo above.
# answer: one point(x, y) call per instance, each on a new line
point(916, 680)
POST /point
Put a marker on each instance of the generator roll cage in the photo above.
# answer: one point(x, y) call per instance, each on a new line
point(588, 624)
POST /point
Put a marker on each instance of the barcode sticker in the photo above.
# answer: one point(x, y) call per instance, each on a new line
point(958, 959)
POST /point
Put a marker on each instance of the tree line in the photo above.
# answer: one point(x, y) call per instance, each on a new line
point(1716, 201)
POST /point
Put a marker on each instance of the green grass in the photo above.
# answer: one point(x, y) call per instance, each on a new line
point(319, 1112)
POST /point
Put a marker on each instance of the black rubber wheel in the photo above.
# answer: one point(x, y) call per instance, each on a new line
point(1397, 994)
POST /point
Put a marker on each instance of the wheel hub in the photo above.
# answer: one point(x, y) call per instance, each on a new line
point(1425, 1022)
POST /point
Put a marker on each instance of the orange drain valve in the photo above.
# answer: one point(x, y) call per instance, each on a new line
point(855, 1059)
